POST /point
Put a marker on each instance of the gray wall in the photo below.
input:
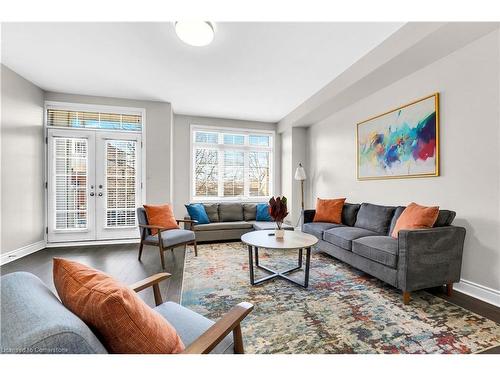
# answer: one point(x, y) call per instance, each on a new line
point(22, 175)
point(181, 153)
point(158, 129)
point(469, 83)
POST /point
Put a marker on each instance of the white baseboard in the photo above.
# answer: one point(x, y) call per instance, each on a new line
point(478, 291)
point(34, 247)
point(22, 252)
point(94, 243)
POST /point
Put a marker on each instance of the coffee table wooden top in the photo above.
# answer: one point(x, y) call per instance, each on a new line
point(292, 240)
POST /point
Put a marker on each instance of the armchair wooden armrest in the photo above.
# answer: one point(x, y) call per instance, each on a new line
point(216, 333)
point(159, 228)
point(152, 281)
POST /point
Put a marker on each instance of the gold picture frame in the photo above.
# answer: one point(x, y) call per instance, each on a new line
point(378, 137)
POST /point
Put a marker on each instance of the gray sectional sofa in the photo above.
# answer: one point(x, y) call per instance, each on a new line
point(229, 221)
point(417, 259)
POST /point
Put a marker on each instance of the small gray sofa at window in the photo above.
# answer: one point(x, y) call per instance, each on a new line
point(417, 259)
point(229, 221)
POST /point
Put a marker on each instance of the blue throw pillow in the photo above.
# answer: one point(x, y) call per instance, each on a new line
point(263, 212)
point(198, 213)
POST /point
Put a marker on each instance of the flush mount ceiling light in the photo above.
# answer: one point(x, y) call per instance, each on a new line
point(195, 33)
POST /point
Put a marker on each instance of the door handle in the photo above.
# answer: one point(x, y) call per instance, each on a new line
point(100, 194)
point(92, 194)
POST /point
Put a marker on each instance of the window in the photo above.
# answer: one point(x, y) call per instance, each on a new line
point(231, 164)
point(93, 120)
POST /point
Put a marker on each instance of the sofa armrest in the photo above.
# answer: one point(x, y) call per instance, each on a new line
point(188, 223)
point(429, 257)
point(309, 216)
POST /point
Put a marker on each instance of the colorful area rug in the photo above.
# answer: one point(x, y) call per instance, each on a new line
point(343, 311)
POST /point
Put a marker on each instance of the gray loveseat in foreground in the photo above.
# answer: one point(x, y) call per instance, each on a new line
point(417, 259)
point(35, 321)
point(229, 221)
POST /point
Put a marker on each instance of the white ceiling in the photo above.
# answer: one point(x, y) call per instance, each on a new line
point(252, 71)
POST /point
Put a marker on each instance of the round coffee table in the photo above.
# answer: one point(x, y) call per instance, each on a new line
point(293, 240)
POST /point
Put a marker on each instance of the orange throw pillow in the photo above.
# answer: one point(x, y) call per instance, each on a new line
point(162, 216)
point(124, 323)
point(415, 216)
point(329, 210)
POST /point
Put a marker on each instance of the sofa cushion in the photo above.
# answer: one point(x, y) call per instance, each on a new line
point(445, 218)
point(230, 212)
point(125, 324)
point(374, 217)
point(212, 210)
point(343, 236)
point(35, 321)
point(249, 211)
point(173, 237)
point(223, 226)
point(397, 213)
point(317, 229)
point(269, 225)
point(381, 249)
point(349, 213)
point(190, 325)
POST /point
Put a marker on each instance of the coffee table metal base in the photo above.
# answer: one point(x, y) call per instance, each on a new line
point(254, 250)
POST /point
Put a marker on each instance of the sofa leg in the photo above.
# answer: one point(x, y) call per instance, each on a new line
point(449, 289)
point(406, 298)
point(195, 249)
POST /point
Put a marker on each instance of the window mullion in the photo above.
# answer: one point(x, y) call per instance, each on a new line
point(246, 174)
point(220, 161)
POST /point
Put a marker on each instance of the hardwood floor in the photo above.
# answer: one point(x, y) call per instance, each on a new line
point(121, 262)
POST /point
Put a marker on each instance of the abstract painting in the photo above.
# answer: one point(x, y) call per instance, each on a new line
point(400, 143)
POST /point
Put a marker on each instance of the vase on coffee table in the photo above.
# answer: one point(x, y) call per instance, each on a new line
point(278, 211)
point(279, 232)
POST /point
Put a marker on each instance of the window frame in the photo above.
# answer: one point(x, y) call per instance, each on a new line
point(99, 108)
point(246, 147)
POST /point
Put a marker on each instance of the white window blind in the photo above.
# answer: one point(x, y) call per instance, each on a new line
point(71, 173)
point(121, 174)
point(231, 164)
point(93, 120)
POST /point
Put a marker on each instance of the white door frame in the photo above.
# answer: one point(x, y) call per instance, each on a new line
point(96, 108)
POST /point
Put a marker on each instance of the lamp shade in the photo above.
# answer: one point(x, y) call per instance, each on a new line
point(300, 173)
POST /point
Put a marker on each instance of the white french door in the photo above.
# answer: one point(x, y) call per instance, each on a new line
point(94, 185)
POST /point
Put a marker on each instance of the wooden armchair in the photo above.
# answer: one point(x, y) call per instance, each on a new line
point(165, 238)
point(199, 334)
